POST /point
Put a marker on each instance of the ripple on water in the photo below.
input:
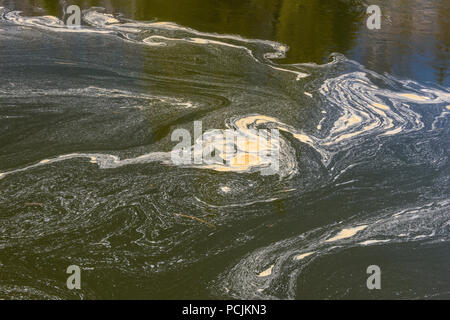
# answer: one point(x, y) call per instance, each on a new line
point(126, 208)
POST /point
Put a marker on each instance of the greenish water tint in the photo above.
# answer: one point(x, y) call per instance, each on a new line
point(86, 118)
point(413, 42)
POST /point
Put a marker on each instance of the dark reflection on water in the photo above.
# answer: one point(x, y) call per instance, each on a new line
point(414, 40)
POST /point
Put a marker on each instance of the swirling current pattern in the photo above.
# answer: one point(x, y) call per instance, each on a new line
point(87, 178)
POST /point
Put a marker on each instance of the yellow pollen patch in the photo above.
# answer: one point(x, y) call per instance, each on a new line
point(245, 160)
point(413, 96)
point(248, 145)
point(304, 255)
point(353, 120)
point(346, 233)
point(381, 106)
point(266, 272)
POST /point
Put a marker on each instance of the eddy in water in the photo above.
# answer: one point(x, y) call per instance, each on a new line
point(171, 163)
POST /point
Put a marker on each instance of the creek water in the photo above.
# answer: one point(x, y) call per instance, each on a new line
point(86, 178)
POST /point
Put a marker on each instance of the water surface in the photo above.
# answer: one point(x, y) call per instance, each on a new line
point(86, 178)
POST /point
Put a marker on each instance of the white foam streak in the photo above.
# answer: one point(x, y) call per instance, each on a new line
point(287, 258)
point(105, 23)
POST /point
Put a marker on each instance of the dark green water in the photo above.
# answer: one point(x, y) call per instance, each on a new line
point(86, 118)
